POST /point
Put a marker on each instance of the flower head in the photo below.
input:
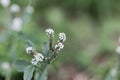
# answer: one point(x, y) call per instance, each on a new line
point(17, 24)
point(5, 3)
point(50, 32)
point(5, 66)
point(62, 37)
point(38, 57)
point(34, 61)
point(113, 72)
point(118, 49)
point(59, 46)
point(29, 50)
point(15, 8)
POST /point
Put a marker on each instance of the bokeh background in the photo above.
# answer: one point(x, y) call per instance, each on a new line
point(92, 28)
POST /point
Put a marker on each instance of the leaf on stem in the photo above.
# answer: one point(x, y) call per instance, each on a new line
point(20, 65)
point(28, 72)
point(41, 75)
point(45, 49)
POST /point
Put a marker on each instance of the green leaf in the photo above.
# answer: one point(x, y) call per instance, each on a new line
point(43, 75)
point(37, 75)
point(45, 49)
point(20, 65)
point(28, 72)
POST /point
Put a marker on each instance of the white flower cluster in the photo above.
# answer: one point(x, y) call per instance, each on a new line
point(113, 72)
point(5, 66)
point(29, 9)
point(15, 8)
point(38, 57)
point(50, 32)
point(118, 49)
point(5, 3)
point(17, 24)
point(59, 46)
point(29, 50)
point(62, 37)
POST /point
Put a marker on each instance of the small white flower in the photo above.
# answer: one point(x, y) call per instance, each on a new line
point(5, 3)
point(34, 61)
point(29, 9)
point(118, 49)
point(62, 37)
point(50, 32)
point(5, 66)
point(29, 50)
point(113, 72)
point(59, 46)
point(15, 8)
point(17, 24)
point(39, 57)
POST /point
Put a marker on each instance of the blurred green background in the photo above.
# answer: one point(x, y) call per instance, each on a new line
point(92, 28)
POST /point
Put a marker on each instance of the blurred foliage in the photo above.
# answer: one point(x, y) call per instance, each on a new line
point(92, 28)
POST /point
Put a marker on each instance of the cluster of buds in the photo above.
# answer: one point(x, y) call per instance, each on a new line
point(62, 38)
point(29, 50)
point(53, 51)
point(37, 57)
point(50, 32)
point(59, 45)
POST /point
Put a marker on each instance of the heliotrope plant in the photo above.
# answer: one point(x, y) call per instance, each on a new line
point(40, 61)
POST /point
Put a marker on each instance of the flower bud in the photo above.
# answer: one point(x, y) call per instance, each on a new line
point(38, 57)
point(29, 50)
point(59, 46)
point(34, 61)
point(50, 32)
point(62, 37)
